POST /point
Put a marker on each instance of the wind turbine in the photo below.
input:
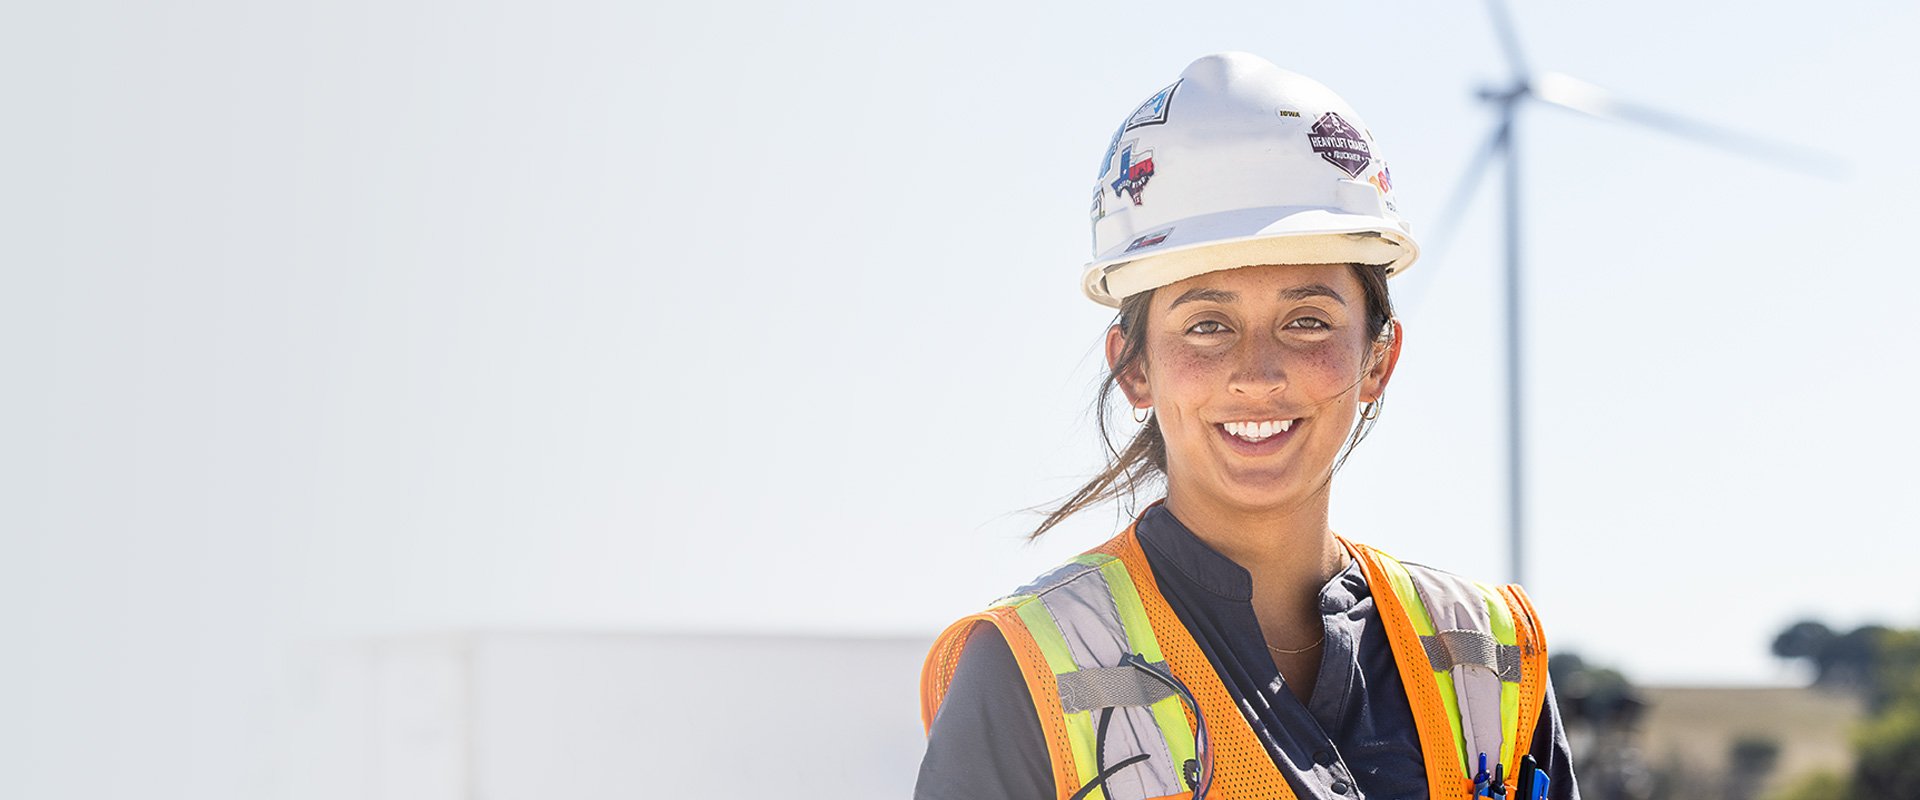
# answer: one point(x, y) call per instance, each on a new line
point(1573, 94)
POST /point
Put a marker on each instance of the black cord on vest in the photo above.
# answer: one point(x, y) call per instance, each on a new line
point(1109, 772)
point(1201, 745)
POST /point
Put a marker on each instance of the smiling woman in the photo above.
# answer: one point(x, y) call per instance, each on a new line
point(1145, 457)
point(1229, 644)
point(1253, 376)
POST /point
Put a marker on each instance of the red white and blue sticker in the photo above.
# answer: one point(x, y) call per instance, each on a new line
point(1152, 112)
point(1136, 168)
point(1340, 144)
point(1383, 181)
point(1148, 240)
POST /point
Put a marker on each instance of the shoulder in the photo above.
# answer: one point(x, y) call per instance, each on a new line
point(1423, 574)
point(987, 669)
point(986, 740)
point(1449, 599)
point(1055, 592)
point(1001, 629)
point(1059, 621)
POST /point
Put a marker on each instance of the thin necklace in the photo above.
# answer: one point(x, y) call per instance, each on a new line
point(1323, 633)
point(1323, 637)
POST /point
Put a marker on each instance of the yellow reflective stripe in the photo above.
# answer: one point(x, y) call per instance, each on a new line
point(1450, 698)
point(1167, 714)
point(1510, 723)
point(1409, 597)
point(1501, 616)
point(1423, 625)
point(1133, 615)
point(1053, 645)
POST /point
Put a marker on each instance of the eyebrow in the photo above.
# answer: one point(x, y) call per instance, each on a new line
point(1312, 290)
point(1205, 294)
point(1223, 296)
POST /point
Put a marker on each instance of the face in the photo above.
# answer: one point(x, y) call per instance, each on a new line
point(1256, 375)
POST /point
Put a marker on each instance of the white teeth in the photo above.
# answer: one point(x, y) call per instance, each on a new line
point(1257, 431)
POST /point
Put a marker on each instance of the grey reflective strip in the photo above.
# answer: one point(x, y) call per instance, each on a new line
point(1131, 732)
point(1111, 687)
point(1081, 604)
point(1455, 648)
point(1452, 602)
point(1469, 653)
point(1055, 577)
point(1088, 620)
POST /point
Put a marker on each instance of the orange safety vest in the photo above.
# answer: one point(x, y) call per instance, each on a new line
point(1094, 639)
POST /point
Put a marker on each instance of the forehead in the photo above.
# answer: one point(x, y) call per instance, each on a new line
point(1264, 282)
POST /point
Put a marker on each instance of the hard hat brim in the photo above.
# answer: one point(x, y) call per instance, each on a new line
point(1246, 237)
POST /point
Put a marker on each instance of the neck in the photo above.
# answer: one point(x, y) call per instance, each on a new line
point(1290, 552)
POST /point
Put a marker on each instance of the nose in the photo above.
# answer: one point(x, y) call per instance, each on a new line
point(1261, 369)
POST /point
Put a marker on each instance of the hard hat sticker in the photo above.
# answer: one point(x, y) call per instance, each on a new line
point(1113, 147)
point(1152, 112)
point(1135, 170)
point(1148, 240)
point(1383, 181)
point(1340, 144)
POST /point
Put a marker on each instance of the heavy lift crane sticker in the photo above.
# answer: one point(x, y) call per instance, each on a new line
point(1340, 144)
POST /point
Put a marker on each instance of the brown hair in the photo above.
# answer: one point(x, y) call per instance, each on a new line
point(1144, 459)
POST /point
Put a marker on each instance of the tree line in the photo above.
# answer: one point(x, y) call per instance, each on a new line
point(1882, 666)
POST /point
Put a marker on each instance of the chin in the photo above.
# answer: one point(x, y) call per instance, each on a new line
point(1266, 493)
point(1250, 486)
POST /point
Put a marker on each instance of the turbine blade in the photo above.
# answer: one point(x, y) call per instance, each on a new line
point(1571, 93)
point(1412, 294)
point(1447, 224)
point(1509, 40)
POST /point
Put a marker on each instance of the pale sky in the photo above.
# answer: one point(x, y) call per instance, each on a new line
point(338, 318)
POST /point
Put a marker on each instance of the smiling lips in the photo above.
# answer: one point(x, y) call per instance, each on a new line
point(1260, 438)
point(1257, 431)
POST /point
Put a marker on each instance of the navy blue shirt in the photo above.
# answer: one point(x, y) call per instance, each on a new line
point(1353, 739)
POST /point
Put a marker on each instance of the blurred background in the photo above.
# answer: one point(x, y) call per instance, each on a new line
point(592, 399)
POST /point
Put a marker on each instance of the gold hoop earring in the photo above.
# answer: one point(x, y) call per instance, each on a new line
point(1141, 415)
point(1371, 411)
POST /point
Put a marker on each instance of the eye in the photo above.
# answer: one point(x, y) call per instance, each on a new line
point(1207, 327)
point(1309, 323)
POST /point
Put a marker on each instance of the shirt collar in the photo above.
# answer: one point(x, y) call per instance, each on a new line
point(1202, 566)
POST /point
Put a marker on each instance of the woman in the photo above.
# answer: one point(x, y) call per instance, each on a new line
point(1229, 644)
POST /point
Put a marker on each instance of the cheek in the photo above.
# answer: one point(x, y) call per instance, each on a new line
point(1187, 371)
point(1316, 370)
point(1328, 366)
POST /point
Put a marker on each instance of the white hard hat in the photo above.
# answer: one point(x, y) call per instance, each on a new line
point(1240, 162)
